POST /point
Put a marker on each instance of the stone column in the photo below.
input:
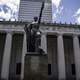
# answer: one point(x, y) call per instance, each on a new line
point(61, 57)
point(24, 51)
point(76, 56)
point(44, 42)
point(6, 57)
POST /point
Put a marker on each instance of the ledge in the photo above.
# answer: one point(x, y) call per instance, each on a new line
point(42, 24)
point(35, 54)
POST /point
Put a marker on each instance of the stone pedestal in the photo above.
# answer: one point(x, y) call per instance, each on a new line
point(36, 67)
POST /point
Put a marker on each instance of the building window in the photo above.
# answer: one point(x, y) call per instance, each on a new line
point(73, 69)
point(49, 69)
point(18, 68)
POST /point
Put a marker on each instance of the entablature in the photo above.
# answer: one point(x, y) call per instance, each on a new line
point(49, 28)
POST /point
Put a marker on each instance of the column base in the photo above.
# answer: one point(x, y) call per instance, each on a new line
point(3, 79)
point(78, 79)
point(62, 79)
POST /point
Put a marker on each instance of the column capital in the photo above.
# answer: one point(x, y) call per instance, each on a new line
point(24, 33)
point(59, 34)
point(44, 34)
point(10, 32)
point(75, 35)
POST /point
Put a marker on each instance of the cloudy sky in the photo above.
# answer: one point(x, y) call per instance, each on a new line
point(66, 11)
point(9, 9)
point(62, 10)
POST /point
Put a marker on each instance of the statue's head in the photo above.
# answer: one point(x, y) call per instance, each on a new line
point(35, 18)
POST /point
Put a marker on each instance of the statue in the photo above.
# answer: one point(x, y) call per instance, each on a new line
point(31, 32)
point(34, 34)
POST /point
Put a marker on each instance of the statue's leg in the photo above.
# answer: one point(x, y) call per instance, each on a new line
point(28, 43)
point(32, 44)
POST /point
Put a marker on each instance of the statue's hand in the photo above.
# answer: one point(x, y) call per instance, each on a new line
point(25, 27)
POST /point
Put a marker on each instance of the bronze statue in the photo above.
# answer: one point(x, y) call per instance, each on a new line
point(34, 34)
point(31, 32)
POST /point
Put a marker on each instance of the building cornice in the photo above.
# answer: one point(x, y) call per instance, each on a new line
point(42, 24)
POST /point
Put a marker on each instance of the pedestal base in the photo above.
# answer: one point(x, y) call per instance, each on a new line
point(36, 67)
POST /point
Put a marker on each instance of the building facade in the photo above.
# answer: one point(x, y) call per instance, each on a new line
point(61, 42)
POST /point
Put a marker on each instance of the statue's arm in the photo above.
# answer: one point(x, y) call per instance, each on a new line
point(25, 27)
point(28, 27)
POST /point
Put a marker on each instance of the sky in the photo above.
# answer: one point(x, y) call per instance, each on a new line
point(66, 11)
point(9, 9)
point(62, 10)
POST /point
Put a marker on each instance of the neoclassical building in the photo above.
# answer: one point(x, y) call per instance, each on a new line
point(61, 42)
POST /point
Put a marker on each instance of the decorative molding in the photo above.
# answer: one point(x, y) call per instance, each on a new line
point(18, 26)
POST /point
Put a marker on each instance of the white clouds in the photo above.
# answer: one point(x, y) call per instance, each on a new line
point(56, 3)
point(56, 9)
point(78, 20)
point(56, 13)
point(77, 16)
point(15, 1)
point(54, 17)
point(59, 10)
point(78, 12)
point(5, 16)
point(13, 8)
